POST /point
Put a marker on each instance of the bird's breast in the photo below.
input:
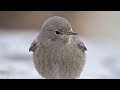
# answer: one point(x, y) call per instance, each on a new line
point(59, 62)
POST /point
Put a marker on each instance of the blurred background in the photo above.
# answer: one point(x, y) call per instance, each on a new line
point(99, 30)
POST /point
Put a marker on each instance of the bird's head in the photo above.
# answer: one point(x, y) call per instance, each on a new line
point(57, 28)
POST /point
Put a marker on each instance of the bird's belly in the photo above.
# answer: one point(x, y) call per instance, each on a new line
point(59, 63)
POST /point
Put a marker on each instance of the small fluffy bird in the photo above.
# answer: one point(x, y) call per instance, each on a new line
point(58, 52)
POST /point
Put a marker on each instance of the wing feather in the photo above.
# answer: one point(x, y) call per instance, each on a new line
point(79, 43)
point(33, 45)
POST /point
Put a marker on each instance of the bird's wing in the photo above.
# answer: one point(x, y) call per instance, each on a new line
point(33, 45)
point(79, 43)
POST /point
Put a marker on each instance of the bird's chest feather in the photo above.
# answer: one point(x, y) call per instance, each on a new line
point(59, 61)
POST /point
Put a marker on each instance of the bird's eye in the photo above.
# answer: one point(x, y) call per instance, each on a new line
point(57, 32)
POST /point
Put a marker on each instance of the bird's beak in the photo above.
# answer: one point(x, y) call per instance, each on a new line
point(71, 33)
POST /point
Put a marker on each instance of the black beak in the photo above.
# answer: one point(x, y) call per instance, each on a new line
point(72, 33)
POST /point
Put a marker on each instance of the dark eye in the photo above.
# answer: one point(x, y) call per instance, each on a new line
point(57, 32)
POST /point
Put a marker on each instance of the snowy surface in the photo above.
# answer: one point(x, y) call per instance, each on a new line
point(103, 59)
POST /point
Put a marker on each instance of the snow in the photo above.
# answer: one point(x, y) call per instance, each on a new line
point(103, 59)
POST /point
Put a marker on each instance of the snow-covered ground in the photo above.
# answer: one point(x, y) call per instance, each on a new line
point(103, 59)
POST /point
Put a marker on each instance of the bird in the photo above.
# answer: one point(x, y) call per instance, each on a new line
point(58, 52)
